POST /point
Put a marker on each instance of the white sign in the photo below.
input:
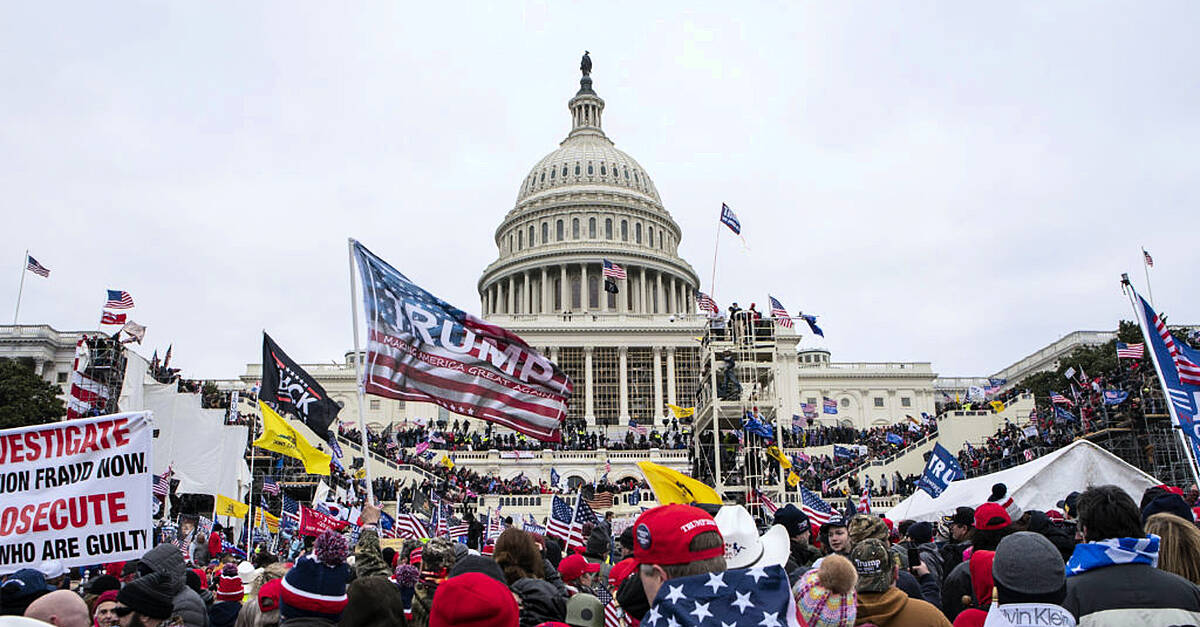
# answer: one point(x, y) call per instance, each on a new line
point(76, 491)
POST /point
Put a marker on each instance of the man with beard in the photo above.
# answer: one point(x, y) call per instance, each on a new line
point(146, 602)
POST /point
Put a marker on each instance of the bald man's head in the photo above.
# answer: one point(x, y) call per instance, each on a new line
point(62, 608)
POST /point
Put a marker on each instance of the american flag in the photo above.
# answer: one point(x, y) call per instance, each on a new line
point(440, 526)
point(705, 303)
point(559, 524)
point(1189, 371)
point(614, 616)
point(613, 271)
point(119, 299)
point(583, 514)
point(269, 486)
point(33, 266)
point(809, 409)
point(1131, 351)
point(730, 220)
point(290, 512)
point(766, 502)
point(87, 395)
point(864, 501)
point(459, 530)
point(817, 510)
point(162, 484)
point(528, 394)
point(742, 597)
point(495, 524)
point(108, 317)
point(779, 313)
point(410, 526)
point(604, 500)
point(636, 428)
point(1059, 399)
point(830, 406)
point(1146, 256)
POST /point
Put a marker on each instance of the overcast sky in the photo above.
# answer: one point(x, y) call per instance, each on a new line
point(939, 182)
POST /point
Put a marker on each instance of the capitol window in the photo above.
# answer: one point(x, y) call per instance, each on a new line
point(603, 171)
point(558, 228)
point(543, 180)
point(637, 233)
point(531, 235)
point(650, 235)
point(545, 232)
point(520, 240)
point(552, 171)
point(575, 228)
point(879, 401)
point(812, 400)
point(374, 404)
point(591, 228)
point(626, 174)
point(608, 228)
point(576, 168)
point(905, 401)
point(590, 167)
point(624, 230)
point(564, 169)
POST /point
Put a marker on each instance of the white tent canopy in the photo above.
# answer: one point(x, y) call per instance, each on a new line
point(1039, 484)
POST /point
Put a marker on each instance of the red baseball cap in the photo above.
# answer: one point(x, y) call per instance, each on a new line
point(573, 566)
point(991, 516)
point(623, 569)
point(662, 535)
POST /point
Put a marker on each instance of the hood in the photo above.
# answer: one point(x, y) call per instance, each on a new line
point(540, 600)
point(167, 560)
point(881, 607)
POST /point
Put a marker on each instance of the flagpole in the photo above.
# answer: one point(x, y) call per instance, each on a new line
point(253, 436)
point(712, 284)
point(1174, 416)
point(1145, 268)
point(358, 375)
point(21, 288)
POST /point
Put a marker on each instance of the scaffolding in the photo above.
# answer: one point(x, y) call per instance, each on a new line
point(738, 378)
point(106, 368)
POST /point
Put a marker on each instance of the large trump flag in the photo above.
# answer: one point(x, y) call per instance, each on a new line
point(421, 348)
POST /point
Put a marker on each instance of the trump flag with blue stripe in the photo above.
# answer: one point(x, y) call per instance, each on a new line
point(421, 348)
point(1178, 368)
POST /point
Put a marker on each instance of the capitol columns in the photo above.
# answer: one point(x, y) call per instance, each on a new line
point(623, 375)
point(642, 290)
point(658, 391)
point(562, 289)
point(511, 296)
point(589, 403)
point(671, 375)
point(660, 300)
point(526, 295)
point(545, 293)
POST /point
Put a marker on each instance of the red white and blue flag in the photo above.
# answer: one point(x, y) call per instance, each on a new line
point(269, 486)
point(817, 510)
point(108, 317)
point(706, 304)
point(421, 348)
point(119, 299)
point(1176, 365)
point(1131, 351)
point(162, 484)
point(559, 524)
point(410, 526)
point(33, 266)
point(1147, 258)
point(613, 271)
point(1059, 399)
point(864, 501)
point(829, 406)
point(779, 313)
point(729, 219)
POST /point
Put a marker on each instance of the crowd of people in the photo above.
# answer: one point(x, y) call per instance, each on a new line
point(1100, 558)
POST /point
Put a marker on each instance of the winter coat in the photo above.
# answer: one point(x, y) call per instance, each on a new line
point(200, 552)
point(957, 585)
point(801, 560)
point(166, 559)
point(214, 544)
point(926, 589)
point(1040, 523)
point(368, 559)
point(893, 607)
point(1132, 594)
point(540, 602)
point(932, 558)
point(952, 555)
point(224, 614)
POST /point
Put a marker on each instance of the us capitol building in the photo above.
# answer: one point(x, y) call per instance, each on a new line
point(630, 353)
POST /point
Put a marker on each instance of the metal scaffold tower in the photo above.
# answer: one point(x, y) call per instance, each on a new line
point(739, 379)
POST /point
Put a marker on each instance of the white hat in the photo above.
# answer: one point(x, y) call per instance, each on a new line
point(743, 546)
point(248, 573)
point(51, 569)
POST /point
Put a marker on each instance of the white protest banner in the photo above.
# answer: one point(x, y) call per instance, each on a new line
point(77, 491)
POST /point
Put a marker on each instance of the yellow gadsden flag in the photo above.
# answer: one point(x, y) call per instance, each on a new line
point(774, 453)
point(280, 437)
point(266, 518)
point(229, 507)
point(793, 478)
point(681, 412)
point(998, 407)
point(671, 486)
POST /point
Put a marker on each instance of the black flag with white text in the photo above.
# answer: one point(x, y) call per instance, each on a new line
point(291, 389)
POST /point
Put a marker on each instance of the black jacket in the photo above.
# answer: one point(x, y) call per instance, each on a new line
point(956, 585)
point(540, 602)
point(1132, 594)
point(925, 589)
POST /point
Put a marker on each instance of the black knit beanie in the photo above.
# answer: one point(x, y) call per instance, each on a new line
point(148, 596)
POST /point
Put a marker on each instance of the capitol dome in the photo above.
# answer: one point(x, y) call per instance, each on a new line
point(585, 203)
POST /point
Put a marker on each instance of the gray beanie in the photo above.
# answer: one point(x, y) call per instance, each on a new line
point(1028, 563)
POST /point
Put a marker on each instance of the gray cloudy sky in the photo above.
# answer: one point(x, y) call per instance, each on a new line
point(943, 182)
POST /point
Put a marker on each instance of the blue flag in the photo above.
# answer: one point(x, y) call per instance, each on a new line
point(1178, 368)
point(554, 477)
point(1062, 415)
point(744, 597)
point(895, 439)
point(730, 220)
point(1115, 397)
point(753, 425)
point(812, 324)
point(940, 470)
point(843, 451)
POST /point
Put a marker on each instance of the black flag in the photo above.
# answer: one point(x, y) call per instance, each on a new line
point(610, 286)
point(293, 390)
